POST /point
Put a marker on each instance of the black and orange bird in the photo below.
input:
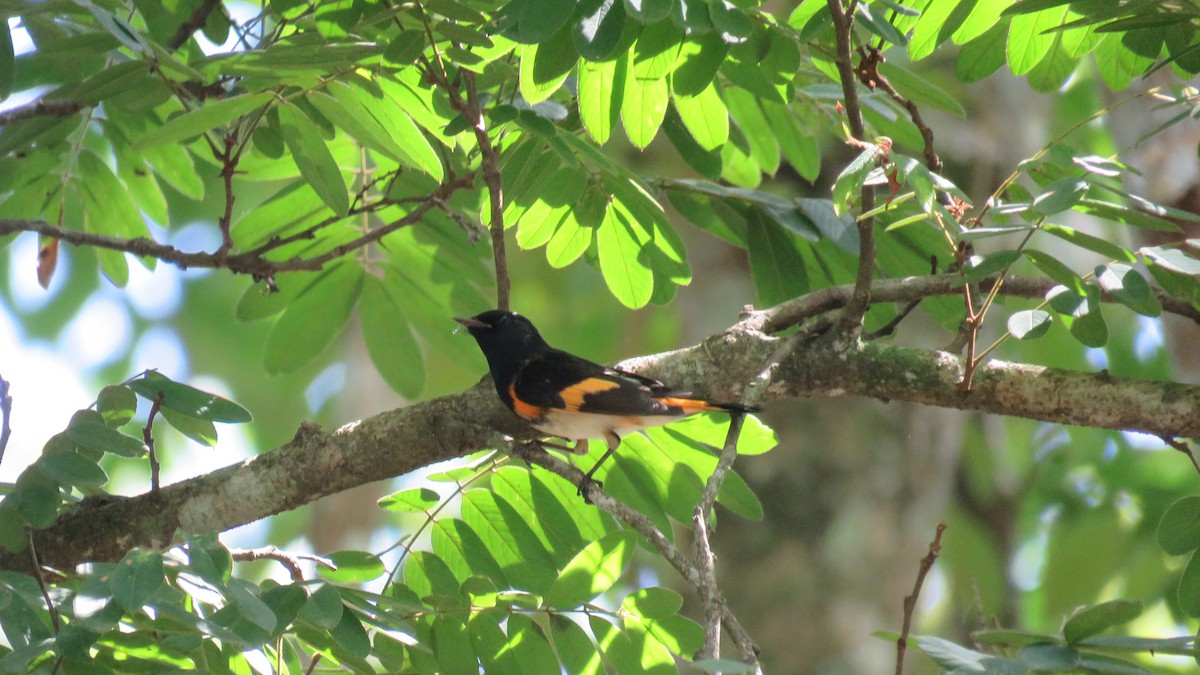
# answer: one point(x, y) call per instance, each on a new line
point(563, 395)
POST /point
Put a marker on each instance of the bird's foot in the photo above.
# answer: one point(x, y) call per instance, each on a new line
point(586, 484)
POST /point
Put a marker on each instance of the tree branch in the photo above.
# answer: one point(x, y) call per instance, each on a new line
point(860, 300)
point(41, 108)
point(317, 463)
point(193, 24)
point(251, 262)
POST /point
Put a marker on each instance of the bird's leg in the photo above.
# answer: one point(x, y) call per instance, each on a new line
point(554, 446)
point(613, 441)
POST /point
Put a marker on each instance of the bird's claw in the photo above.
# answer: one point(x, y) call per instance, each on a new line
point(585, 485)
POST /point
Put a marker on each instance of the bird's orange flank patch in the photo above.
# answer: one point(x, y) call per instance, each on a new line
point(526, 410)
point(573, 395)
point(688, 404)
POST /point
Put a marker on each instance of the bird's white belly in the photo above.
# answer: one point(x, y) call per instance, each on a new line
point(579, 426)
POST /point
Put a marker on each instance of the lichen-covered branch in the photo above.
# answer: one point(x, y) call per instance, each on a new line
point(318, 463)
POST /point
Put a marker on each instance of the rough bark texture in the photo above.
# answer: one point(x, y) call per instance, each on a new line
point(317, 463)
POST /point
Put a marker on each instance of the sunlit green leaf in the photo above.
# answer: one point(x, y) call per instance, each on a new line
point(592, 571)
point(313, 158)
point(352, 567)
point(1093, 620)
point(1029, 324)
point(317, 316)
point(189, 400)
point(210, 116)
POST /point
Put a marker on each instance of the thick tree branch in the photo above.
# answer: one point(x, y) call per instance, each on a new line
point(193, 24)
point(317, 463)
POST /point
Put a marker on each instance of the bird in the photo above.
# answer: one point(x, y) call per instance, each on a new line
point(567, 396)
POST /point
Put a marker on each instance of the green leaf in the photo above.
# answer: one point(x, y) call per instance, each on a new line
point(1172, 259)
point(136, 579)
point(314, 319)
point(705, 117)
point(601, 91)
point(982, 56)
point(656, 50)
point(775, 263)
point(704, 162)
point(646, 11)
point(452, 646)
point(324, 607)
point(71, 468)
point(642, 109)
point(1088, 621)
point(188, 400)
point(1127, 286)
point(1055, 269)
point(1179, 528)
point(620, 242)
point(1096, 244)
point(250, 607)
point(653, 603)
point(350, 635)
point(352, 567)
point(955, 658)
point(575, 649)
point(516, 548)
point(1050, 657)
point(545, 66)
point(598, 33)
point(592, 571)
point(764, 148)
point(415, 500)
point(1029, 324)
point(389, 337)
point(1089, 326)
point(1188, 592)
point(203, 432)
point(538, 19)
point(699, 59)
point(200, 120)
point(1125, 214)
point(920, 90)
point(798, 144)
point(313, 158)
point(931, 28)
point(994, 263)
point(983, 17)
point(1028, 41)
point(209, 559)
point(96, 436)
point(117, 404)
point(343, 108)
point(7, 63)
point(850, 181)
point(615, 646)
point(1060, 195)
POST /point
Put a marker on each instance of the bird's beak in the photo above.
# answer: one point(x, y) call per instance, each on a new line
point(471, 323)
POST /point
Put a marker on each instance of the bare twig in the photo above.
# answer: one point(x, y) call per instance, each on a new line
point(193, 24)
point(709, 595)
point(490, 165)
point(229, 161)
point(860, 300)
point(645, 527)
point(868, 73)
point(5, 416)
point(910, 601)
point(312, 665)
point(291, 561)
point(41, 580)
point(41, 108)
point(1183, 447)
point(251, 263)
point(148, 439)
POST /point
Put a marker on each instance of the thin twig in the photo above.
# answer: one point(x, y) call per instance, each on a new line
point(709, 596)
point(312, 665)
point(860, 300)
point(242, 263)
point(40, 108)
point(910, 601)
point(229, 162)
point(1183, 447)
point(642, 524)
point(148, 439)
point(490, 165)
point(193, 24)
point(868, 73)
point(5, 416)
point(37, 574)
point(291, 561)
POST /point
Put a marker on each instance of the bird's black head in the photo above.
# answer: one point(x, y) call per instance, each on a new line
point(506, 338)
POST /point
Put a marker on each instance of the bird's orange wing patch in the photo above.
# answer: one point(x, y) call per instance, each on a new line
point(526, 410)
point(574, 395)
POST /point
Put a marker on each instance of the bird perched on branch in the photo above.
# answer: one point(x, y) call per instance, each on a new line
point(563, 395)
